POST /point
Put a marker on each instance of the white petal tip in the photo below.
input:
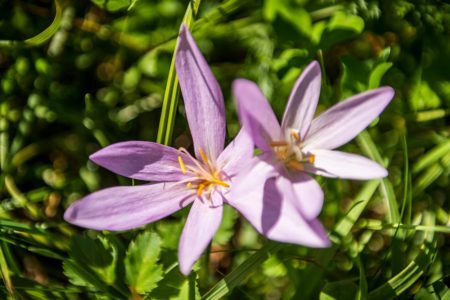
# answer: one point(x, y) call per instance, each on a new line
point(389, 91)
point(314, 65)
point(68, 215)
point(183, 29)
point(185, 270)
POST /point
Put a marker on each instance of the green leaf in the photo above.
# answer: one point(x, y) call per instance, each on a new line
point(226, 228)
point(92, 264)
point(41, 37)
point(171, 231)
point(341, 27)
point(141, 263)
point(339, 290)
point(175, 286)
point(238, 274)
point(377, 74)
point(81, 276)
point(96, 254)
point(113, 5)
point(423, 97)
point(172, 91)
point(344, 21)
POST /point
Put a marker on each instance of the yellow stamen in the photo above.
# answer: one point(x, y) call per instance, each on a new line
point(295, 135)
point(203, 155)
point(182, 165)
point(189, 185)
point(200, 189)
point(311, 159)
point(220, 182)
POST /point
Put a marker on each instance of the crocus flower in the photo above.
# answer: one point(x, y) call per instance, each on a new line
point(204, 180)
point(303, 144)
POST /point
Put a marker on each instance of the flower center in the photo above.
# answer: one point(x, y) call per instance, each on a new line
point(205, 175)
point(290, 152)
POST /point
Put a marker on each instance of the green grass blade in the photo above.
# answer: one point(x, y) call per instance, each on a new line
point(379, 225)
point(431, 157)
point(432, 173)
point(5, 273)
point(362, 289)
point(404, 279)
point(227, 284)
point(313, 274)
point(41, 37)
point(172, 91)
point(369, 148)
point(407, 277)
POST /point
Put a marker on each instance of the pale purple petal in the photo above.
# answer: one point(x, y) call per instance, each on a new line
point(203, 99)
point(255, 113)
point(237, 154)
point(342, 122)
point(345, 165)
point(267, 203)
point(202, 223)
point(308, 194)
point(303, 100)
point(141, 160)
point(127, 207)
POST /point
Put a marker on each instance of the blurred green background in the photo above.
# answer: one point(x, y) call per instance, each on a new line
point(76, 76)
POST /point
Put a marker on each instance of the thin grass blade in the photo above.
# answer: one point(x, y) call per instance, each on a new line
point(172, 91)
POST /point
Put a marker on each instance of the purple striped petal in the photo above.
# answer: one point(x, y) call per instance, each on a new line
point(303, 100)
point(127, 207)
point(256, 114)
point(345, 120)
point(141, 160)
point(308, 194)
point(202, 223)
point(345, 165)
point(237, 154)
point(267, 203)
point(203, 99)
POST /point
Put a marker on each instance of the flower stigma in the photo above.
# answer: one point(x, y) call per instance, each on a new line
point(290, 152)
point(205, 175)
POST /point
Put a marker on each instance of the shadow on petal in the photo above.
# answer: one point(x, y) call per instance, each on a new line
point(271, 205)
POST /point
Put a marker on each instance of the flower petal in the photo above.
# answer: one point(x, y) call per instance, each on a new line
point(256, 114)
point(267, 203)
point(203, 99)
point(141, 160)
point(345, 165)
point(342, 122)
point(308, 194)
point(303, 100)
point(127, 207)
point(202, 223)
point(237, 154)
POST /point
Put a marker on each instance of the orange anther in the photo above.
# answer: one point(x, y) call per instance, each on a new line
point(295, 135)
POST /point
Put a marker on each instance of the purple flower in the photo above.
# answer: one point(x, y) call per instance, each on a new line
point(205, 180)
point(303, 144)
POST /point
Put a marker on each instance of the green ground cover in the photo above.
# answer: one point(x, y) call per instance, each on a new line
point(76, 76)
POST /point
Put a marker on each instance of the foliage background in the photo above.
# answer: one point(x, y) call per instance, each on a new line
point(97, 75)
